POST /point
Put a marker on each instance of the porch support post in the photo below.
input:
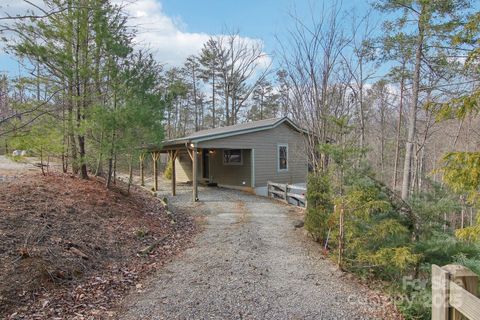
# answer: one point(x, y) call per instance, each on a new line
point(252, 155)
point(155, 157)
point(173, 157)
point(195, 173)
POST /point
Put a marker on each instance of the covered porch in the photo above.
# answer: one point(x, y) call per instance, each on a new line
point(190, 164)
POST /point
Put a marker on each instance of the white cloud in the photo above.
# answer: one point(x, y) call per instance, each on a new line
point(166, 36)
point(163, 35)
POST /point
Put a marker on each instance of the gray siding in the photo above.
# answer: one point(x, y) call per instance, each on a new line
point(265, 144)
point(231, 175)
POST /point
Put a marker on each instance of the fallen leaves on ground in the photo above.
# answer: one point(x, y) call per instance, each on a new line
point(70, 248)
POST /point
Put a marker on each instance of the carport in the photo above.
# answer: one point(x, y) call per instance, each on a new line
point(173, 152)
point(243, 156)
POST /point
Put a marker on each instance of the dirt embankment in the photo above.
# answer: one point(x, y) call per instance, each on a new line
point(69, 248)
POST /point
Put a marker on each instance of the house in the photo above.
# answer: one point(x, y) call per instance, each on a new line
point(244, 156)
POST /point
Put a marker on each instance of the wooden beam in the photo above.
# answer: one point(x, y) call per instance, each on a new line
point(465, 305)
point(195, 174)
point(440, 290)
point(155, 157)
point(463, 292)
point(190, 153)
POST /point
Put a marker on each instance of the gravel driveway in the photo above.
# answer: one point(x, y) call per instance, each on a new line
point(10, 170)
point(248, 263)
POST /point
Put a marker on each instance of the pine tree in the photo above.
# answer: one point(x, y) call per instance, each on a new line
point(76, 48)
point(210, 60)
point(430, 22)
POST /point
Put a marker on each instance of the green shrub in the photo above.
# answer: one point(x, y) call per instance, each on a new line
point(416, 304)
point(443, 248)
point(168, 170)
point(377, 240)
point(431, 207)
point(320, 206)
point(379, 229)
point(471, 263)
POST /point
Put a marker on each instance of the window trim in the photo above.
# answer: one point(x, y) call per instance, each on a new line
point(278, 157)
point(232, 163)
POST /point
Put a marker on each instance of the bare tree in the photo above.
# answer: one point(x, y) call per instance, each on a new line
point(242, 68)
point(311, 56)
point(360, 63)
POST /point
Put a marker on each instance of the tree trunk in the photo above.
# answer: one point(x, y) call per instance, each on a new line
point(399, 128)
point(99, 169)
point(71, 137)
point(142, 169)
point(195, 102)
point(64, 141)
point(112, 146)
point(83, 165)
point(362, 111)
point(41, 161)
point(341, 238)
point(73, 150)
point(109, 176)
point(130, 173)
point(155, 157)
point(213, 99)
point(382, 141)
point(412, 119)
point(115, 168)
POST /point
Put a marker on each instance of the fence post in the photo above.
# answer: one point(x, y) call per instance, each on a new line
point(268, 189)
point(440, 291)
point(466, 279)
point(286, 192)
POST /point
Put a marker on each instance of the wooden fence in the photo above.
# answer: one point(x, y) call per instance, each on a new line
point(454, 293)
point(284, 192)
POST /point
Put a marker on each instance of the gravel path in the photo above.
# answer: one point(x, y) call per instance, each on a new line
point(248, 263)
point(11, 170)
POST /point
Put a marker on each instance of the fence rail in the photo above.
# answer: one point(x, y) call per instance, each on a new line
point(284, 193)
point(454, 293)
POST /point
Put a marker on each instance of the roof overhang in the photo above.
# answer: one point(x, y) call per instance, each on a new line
point(214, 136)
point(187, 142)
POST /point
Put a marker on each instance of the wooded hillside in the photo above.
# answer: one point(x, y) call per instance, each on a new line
point(390, 100)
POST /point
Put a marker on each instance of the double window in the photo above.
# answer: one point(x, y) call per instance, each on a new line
point(282, 153)
point(232, 157)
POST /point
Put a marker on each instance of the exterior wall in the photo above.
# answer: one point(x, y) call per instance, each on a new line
point(231, 175)
point(183, 167)
point(227, 175)
point(265, 152)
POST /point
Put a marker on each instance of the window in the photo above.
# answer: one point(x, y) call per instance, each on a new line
point(232, 157)
point(282, 157)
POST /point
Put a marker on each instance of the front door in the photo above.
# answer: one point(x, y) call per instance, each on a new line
point(206, 164)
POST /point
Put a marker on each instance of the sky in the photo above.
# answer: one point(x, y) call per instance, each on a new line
point(175, 29)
